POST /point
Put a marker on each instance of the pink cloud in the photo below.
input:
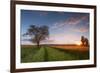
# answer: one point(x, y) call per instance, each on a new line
point(82, 29)
point(75, 20)
point(72, 21)
point(64, 38)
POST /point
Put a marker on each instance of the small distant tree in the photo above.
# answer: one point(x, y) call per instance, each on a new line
point(37, 33)
point(84, 41)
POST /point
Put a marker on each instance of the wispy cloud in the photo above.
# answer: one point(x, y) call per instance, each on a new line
point(72, 21)
point(67, 38)
point(42, 13)
point(81, 29)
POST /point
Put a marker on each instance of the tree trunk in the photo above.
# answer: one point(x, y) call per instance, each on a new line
point(38, 44)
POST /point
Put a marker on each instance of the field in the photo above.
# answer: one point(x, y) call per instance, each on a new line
point(31, 53)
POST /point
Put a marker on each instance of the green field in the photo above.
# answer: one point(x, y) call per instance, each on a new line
point(47, 53)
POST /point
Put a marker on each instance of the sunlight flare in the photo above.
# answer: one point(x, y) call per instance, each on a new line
point(78, 43)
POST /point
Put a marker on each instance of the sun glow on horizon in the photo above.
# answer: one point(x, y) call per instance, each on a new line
point(78, 43)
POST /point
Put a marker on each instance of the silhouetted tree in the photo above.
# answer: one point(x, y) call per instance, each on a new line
point(37, 33)
point(84, 41)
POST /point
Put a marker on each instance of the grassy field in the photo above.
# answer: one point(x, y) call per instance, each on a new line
point(51, 53)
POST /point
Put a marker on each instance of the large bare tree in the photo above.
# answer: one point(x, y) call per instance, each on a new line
point(38, 33)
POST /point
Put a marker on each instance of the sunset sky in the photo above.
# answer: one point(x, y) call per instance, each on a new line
point(64, 27)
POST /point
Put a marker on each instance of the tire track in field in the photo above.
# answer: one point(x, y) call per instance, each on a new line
point(39, 56)
point(52, 54)
point(45, 54)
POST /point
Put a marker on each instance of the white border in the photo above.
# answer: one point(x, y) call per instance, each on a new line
point(53, 64)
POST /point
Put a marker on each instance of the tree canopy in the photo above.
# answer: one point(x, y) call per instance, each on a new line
point(84, 41)
point(38, 33)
